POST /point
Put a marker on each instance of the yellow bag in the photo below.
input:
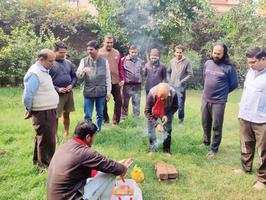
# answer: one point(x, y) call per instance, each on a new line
point(137, 174)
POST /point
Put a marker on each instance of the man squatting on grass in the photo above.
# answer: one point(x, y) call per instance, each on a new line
point(252, 117)
point(72, 165)
point(41, 100)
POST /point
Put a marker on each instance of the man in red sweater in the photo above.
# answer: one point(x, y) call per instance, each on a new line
point(117, 77)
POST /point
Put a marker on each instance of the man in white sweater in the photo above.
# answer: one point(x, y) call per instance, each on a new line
point(252, 117)
point(41, 100)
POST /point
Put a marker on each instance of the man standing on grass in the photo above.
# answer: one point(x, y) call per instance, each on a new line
point(252, 117)
point(132, 65)
point(154, 71)
point(220, 78)
point(64, 79)
point(117, 77)
point(72, 165)
point(180, 72)
point(41, 100)
point(162, 103)
point(97, 82)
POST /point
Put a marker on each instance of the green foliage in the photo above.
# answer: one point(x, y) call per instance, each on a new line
point(20, 52)
point(241, 30)
point(47, 14)
point(147, 23)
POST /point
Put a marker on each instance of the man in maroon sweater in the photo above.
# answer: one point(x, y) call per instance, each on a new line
point(117, 78)
point(162, 103)
point(72, 165)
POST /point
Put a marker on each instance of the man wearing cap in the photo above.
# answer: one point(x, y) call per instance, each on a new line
point(97, 82)
point(132, 65)
point(154, 71)
point(117, 77)
point(162, 103)
point(41, 100)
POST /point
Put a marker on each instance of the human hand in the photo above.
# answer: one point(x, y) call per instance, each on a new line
point(69, 88)
point(86, 69)
point(159, 128)
point(27, 115)
point(108, 96)
point(121, 83)
point(61, 90)
point(164, 119)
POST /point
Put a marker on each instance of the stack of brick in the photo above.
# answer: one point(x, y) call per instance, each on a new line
point(165, 172)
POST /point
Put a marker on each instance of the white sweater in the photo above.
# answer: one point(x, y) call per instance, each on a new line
point(46, 97)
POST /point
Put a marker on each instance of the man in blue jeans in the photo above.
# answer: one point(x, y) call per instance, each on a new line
point(180, 72)
point(97, 82)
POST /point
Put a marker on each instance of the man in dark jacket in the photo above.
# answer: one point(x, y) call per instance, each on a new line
point(155, 72)
point(161, 104)
point(220, 78)
point(72, 165)
point(132, 65)
point(64, 79)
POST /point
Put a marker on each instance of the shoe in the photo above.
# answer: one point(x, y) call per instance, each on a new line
point(181, 121)
point(42, 169)
point(107, 125)
point(211, 154)
point(202, 145)
point(169, 155)
point(259, 186)
point(124, 117)
point(239, 171)
point(150, 154)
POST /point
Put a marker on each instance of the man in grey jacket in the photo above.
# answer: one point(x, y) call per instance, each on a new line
point(97, 82)
point(180, 72)
point(132, 66)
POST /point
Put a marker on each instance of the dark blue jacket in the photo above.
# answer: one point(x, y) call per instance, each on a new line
point(219, 80)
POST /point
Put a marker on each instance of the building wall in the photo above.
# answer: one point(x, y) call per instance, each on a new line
point(222, 6)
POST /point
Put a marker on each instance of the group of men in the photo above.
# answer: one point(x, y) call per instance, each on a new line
point(48, 95)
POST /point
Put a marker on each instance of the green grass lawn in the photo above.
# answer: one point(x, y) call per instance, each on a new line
point(199, 177)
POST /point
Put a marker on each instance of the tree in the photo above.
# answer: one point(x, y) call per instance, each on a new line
point(147, 23)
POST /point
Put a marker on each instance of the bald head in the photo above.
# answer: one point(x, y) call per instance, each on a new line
point(163, 91)
point(44, 53)
point(46, 58)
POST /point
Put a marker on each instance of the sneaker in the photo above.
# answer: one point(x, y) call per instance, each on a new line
point(181, 121)
point(239, 171)
point(211, 154)
point(259, 186)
